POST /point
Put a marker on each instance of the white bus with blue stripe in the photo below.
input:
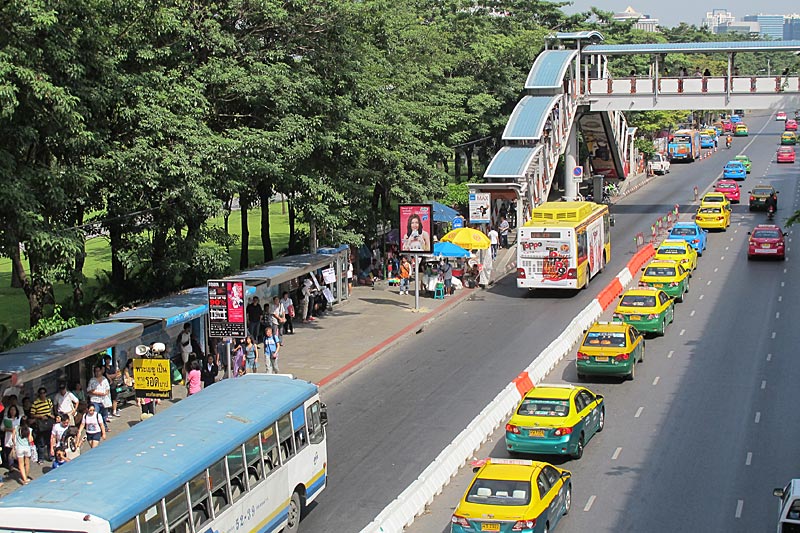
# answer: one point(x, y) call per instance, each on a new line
point(244, 455)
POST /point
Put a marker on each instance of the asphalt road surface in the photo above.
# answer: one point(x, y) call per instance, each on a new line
point(390, 420)
point(709, 427)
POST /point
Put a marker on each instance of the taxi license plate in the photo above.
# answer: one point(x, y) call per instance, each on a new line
point(765, 245)
point(634, 317)
point(536, 433)
point(658, 285)
point(601, 359)
point(490, 527)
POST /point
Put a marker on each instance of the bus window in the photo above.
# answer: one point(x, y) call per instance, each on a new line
point(299, 427)
point(129, 527)
point(236, 470)
point(218, 479)
point(315, 432)
point(255, 470)
point(606, 227)
point(198, 493)
point(178, 512)
point(152, 520)
point(269, 448)
point(582, 245)
point(285, 436)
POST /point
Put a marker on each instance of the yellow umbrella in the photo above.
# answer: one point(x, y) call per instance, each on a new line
point(468, 238)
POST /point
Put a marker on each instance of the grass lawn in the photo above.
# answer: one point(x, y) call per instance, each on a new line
point(14, 305)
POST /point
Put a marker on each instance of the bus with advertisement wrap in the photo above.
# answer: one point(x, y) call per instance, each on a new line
point(563, 245)
point(245, 455)
point(684, 146)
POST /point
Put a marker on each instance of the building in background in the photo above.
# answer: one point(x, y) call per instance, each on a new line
point(770, 26)
point(748, 28)
point(791, 27)
point(718, 17)
point(643, 22)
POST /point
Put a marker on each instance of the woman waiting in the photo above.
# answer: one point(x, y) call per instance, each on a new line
point(193, 378)
point(92, 424)
point(250, 355)
point(23, 440)
point(11, 422)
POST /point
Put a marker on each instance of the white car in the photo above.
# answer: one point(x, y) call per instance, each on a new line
point(789, 516)
point(659, 164)
point(781, 115)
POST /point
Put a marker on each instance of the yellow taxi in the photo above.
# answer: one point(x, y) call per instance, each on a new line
point(646, 309)
point(669, 276)
point(741, 130)
point(711, 216)
point(677, 250)
point(716, 198)
point(610, 349)
point(788, 138)
point(513, 495)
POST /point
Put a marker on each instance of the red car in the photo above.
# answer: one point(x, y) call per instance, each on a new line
point(766, 240)
point(785, 154)
point(727, 125)
point(791, 125)
point(781, 115)
point(730, 189)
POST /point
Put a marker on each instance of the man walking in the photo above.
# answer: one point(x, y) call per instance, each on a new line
point(185, 345)
point(271, 348)
point(405, 275)
point(254, 312)
point(504, 226)
point(494, 240)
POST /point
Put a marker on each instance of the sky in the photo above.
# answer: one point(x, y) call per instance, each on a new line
point(674, 12)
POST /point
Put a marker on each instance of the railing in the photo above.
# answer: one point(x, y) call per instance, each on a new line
point(706, 85)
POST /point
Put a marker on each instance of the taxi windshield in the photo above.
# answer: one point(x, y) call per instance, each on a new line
point(635, 300)
point(676, 251)
point(499, 492)
point(660, 271)
point(707, 210)
point(605, 338)
point(684, 231)
point(543, 407)
point(766, 234)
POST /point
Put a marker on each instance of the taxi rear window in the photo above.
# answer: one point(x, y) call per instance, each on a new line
point(684, 231)
point(499, 492)
point(766, 234)
point(713, 198)
point(631, 300)
point(660, 271)
point(605, 338)
point(706, 210)
point(677, 251)
point(762, 192)
point(726, 186)
point(543, 407)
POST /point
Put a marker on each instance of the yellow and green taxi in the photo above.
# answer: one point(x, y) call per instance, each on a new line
point(740, 130)
point(646, 309)
point(513, 495)
point(668, 276)
point(677, 250)
point(711, 216)
point(555, 419)
point(745, 159)
point(610, 349)
point(789, 138)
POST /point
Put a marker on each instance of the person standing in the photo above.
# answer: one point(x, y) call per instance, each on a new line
point(24, 447)
point(209, 372)
point(254, 312)
point(277, 314)
point(308, 301)
point(251, 355)
point(288, 305)
point(238, 357)
point(494, 239)
point(66, 403)
point(271, 348)
point(93, 427)
point(447, 275)
point(114, 377)
point(185, 346)
point(57, 439)
point(405, 274)
point(100, 395)
point(193, 378)
point(349, 278)
point(11, 422)
point(504, 227)
point(43, 418)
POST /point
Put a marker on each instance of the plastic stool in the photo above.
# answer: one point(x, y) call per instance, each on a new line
point(438, 294)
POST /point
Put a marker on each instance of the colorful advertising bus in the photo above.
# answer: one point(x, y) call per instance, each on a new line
point(685, 145)
point(563, 246)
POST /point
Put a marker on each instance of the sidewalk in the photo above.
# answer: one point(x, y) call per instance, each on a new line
point(324, 351)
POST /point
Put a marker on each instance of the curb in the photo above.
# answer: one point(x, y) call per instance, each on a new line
point(349, 368)
point(404, 509)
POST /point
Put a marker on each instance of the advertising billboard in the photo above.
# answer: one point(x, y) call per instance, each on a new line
point(479, 208)
point(416, 228)
point(226, 316)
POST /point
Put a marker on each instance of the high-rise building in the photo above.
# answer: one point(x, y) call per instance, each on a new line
point(791, 28)
point(718, 17)
point(748, 28)
point(770, 25)
point(643, 22)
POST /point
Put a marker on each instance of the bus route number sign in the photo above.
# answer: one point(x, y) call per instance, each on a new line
point(151, 378)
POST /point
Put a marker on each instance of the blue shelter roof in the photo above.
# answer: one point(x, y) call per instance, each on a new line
point(528, 118)
point(286, 268)
point(691, 48)
point(172, 310)
point(443, 213)
point(511, 162)
point(40, 357)
point(164, 451)
point(549, 68)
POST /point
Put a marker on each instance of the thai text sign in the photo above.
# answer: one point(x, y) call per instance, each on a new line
point(151, 378)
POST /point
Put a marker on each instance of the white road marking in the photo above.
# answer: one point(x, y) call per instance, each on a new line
point(778, 314)
point(638, 412)
point(669, 355)
point(736, 230)
point(749, 459)
point(701, 296)
point(682, 332)
point(780, 298)
point(739, 505)
point(589, 503)
point(656, 379)
point(731, 238)
point(773, 334)
point(722, 258)
point(616, 454)
point(785, 270)
point(758, 416)
point(716, 269)
point(769, 357)
point(763, 384)
point(709, 282)
point(783, 283)
point(692, 313)
point(727, 247)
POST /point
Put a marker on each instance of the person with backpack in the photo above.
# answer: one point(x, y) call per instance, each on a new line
point(272, 346)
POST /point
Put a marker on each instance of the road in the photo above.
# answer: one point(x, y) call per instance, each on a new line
point(392, 418)
point(708, 429)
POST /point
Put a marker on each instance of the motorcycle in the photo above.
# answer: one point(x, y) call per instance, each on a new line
point(771, 212)
point(728, 144)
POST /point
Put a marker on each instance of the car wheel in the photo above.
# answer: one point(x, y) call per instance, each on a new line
point(602, 423)
point(641, 355)
point(581, 377)
point(632, 375)
point(663, 327)
point(568, 500)
point(547, 528)
point(749, 257)
point(579, 449)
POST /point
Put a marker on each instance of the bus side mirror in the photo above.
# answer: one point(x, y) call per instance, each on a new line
point(777, 492)
point(323, 413)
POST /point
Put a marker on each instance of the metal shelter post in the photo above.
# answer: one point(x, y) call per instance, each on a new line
point(570, 162)
point(416, 282)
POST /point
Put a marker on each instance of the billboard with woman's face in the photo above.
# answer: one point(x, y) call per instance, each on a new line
point(416, 227)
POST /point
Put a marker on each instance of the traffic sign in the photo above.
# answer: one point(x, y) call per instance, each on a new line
point(577, 173)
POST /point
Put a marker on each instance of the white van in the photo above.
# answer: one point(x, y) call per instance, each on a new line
point(659, 164)
point(789, 515)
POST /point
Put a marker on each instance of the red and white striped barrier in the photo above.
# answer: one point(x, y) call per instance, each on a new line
point(401, 512)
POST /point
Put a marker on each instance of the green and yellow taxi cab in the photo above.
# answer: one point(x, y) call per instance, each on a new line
point(745, 161)
point(610, 349)
point(555, 419)
point(513, 495)
point(788, 138)
point(711, 216)
point(677, 250)
point(741, 130)
point(646, 308)
point(668, 276)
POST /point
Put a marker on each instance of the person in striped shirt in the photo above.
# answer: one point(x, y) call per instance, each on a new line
point(43, 417)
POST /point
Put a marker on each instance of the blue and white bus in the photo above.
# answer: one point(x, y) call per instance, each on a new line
point(244, 455)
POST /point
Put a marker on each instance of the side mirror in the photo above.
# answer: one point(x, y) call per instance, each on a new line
point(599, 396)
point(778, 492)
point(749, 232)
point(565, 475)
point(642, 269)
point(785, 233)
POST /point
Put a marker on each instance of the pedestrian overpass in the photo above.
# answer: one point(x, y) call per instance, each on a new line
point(570, 88)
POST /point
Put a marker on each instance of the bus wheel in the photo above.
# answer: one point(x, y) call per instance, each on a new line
point(295, 511)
